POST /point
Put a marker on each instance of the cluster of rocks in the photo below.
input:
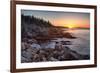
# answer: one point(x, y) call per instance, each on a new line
point(32, 51)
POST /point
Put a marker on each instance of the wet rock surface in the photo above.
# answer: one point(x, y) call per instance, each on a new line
point(42, 52)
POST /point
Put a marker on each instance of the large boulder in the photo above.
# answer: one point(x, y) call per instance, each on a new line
point(28, 55)
point(35, 46)
point(53, 59)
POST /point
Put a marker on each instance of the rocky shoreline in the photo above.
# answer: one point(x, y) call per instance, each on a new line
point(34, 51)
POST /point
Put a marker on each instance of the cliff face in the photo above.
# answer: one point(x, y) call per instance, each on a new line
point(32, 26)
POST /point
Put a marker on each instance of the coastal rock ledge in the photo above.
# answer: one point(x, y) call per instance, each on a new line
point(35, 52)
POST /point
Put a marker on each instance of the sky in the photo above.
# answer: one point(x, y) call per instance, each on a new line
point(65, 19)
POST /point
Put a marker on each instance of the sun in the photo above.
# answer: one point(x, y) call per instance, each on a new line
point(70, 25)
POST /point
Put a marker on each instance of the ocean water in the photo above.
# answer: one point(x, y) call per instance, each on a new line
point(82, 42)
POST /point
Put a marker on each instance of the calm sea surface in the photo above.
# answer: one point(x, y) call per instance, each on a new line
point(82, 43)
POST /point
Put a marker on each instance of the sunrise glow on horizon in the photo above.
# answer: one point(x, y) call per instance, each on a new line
point(64, 19)
point(72, 23)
